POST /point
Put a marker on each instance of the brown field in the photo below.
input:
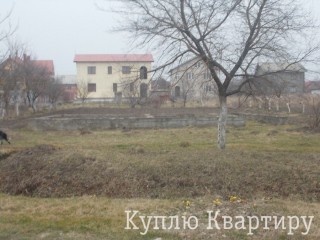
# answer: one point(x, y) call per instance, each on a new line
point(77, 185)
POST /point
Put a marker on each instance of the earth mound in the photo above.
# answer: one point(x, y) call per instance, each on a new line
point(44, 171)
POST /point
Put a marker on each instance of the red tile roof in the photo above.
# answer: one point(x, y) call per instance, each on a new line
point(48, 64)
point(113, 58)
point(312, 86)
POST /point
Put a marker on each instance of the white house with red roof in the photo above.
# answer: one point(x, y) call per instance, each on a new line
point(108, 76)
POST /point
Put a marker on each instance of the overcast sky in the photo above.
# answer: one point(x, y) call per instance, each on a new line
point(59, 29)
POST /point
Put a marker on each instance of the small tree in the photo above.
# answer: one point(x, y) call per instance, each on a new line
point(8, 82)
point(131, 91)
point(314, 106)
point(54, 91)
point(135, 87)
point(36, 80)
point(82, 90)
point(188, 90)
point(12, 82)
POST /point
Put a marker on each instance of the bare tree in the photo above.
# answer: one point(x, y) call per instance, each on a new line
point(54, 91)
point(82, 90)
point(129, 88)
point(229, 36)
point(314, 111)
point(11, 79)
point(131, 91)
point(36, 79)
point(134, 87)
point(9, 82)
point(7, 68)
point(6, 31)
point(207, 92)
point(188, 90)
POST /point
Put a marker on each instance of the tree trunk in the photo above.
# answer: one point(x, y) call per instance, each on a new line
point(201, 100)
point(269, 104)
point(288, 106)
point(6, 107)
point(17, 104)
point(34, 107)
point(3, 112)
point(222, 122)
point(184, 101)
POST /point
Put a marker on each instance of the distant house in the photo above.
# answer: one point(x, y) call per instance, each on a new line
point(12, 63)
point(281, 78)
point(109, 76)
point(47, 64)
point(191, 79)
point(12, 66)
point(312, 87)
point(69, 85)
point(160, 90)
point(160, 84)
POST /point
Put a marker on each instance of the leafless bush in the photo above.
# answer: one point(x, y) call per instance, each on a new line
point(314, 106)
point(184, 144)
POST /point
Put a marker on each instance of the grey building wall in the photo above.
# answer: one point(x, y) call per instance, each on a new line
point(277, 81)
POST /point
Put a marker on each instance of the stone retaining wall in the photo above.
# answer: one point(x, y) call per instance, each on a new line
point(270, 119)
point(102, 122)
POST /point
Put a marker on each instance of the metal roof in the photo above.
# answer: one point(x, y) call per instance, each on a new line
point(113, 58)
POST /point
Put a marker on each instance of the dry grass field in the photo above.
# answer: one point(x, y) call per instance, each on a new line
point(78, 184)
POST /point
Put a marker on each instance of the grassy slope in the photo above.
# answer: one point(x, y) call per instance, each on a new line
point(273, 169)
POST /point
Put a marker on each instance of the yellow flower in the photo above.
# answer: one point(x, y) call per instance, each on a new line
point(217, 202)
point(187, 203)
point(233, 198)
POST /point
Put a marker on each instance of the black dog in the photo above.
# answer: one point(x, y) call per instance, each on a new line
point(3, 136)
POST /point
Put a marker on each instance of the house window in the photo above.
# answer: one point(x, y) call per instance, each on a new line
point(126, 69)
point(109, 69)
point(208, 88)
point(91, 70)
point(189, 75)
point(197, 65)
point(143, 73)
point(92, 87)
point(292, 89)
point(207, 75)
point(115, 87)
